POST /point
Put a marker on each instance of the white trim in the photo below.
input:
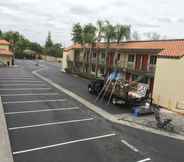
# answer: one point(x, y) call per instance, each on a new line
point(33, 101)
point(64, 143)
point(30, 94)
point(44, 110)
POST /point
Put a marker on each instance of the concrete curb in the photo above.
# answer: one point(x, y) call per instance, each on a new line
point(103, 113)
point(5, 148)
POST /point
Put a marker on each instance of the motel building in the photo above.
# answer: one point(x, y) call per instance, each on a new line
point(6, 56)
point(161, 63)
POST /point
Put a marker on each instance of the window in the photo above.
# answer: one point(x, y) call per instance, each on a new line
point(130, 58)
point(153, 60)
point(94, 54)
point(93, 68)
point(102, 70)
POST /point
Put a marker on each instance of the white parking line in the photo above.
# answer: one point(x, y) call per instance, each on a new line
point(30, 94)
point(22, 89)
point(24, 78)
point(33, 101)
point(144, 160)
point(130, 146)
point(26, 81)
point(44, 110)
point(23, 84)
point(48, 124)
point(65, 143)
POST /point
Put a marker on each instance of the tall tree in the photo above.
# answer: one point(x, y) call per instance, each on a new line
point(48, 42)
point(109, 35)
point(1, 33)
point(135, 36)
point(77, 33)
point(99, 36)
point(122, 32)
point(89, 37)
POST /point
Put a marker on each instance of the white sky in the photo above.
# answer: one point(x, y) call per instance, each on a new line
point(34, 18)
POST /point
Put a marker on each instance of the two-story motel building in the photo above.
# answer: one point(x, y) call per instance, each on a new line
point(161, 62)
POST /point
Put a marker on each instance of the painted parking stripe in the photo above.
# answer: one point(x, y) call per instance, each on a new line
point(23, 84)
point(22, 89)
point(33, 101)
point(130, 146)
point(17, 78)
point(26, 81)
point(30, 94)
point(44, 110)
point(48, 124)
point(144, 160)
point(64, 143)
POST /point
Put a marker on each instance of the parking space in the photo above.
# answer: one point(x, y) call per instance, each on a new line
point(47, 125)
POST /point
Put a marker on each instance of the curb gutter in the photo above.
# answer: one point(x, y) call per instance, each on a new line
point(103, 113)
point(5, 148)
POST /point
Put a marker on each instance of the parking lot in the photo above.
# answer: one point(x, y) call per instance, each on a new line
point(46, 125)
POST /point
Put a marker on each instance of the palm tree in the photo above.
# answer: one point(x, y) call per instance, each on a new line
point(77, 37)
point(99, 35)
point(89, 37)
point(109, 35)
point(122, 32)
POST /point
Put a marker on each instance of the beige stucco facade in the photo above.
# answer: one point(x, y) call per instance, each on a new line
point(5, 57)
point(169, 83)
point(68, 55)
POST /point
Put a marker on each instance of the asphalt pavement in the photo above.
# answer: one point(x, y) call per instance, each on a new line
point(46, 125)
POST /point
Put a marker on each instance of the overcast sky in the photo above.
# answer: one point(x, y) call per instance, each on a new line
point(34, 18)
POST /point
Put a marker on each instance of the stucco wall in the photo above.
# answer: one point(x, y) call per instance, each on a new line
point(4, 47)
point(169, 82)
point(5, 59)
point(67, 56)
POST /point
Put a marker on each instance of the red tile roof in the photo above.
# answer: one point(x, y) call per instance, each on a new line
point(5, 52)
point(169, 48)
point(4, 42)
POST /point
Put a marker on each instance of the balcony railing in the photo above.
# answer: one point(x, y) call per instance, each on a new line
point(152, 68)
point(130, 66)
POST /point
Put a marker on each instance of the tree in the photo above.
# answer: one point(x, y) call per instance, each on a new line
point(77, 34)
point(152, 36)
point(48, 42)
point(36, 47)
point(109, 35)
point(99, 36)
point(1, 34)
point(135, 36)
point(122, 32)
point(89, 37)
point(109, 32)
point(100, 29)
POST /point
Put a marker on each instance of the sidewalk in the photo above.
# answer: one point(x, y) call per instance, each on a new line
point(149, 120)
point(5, 150)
